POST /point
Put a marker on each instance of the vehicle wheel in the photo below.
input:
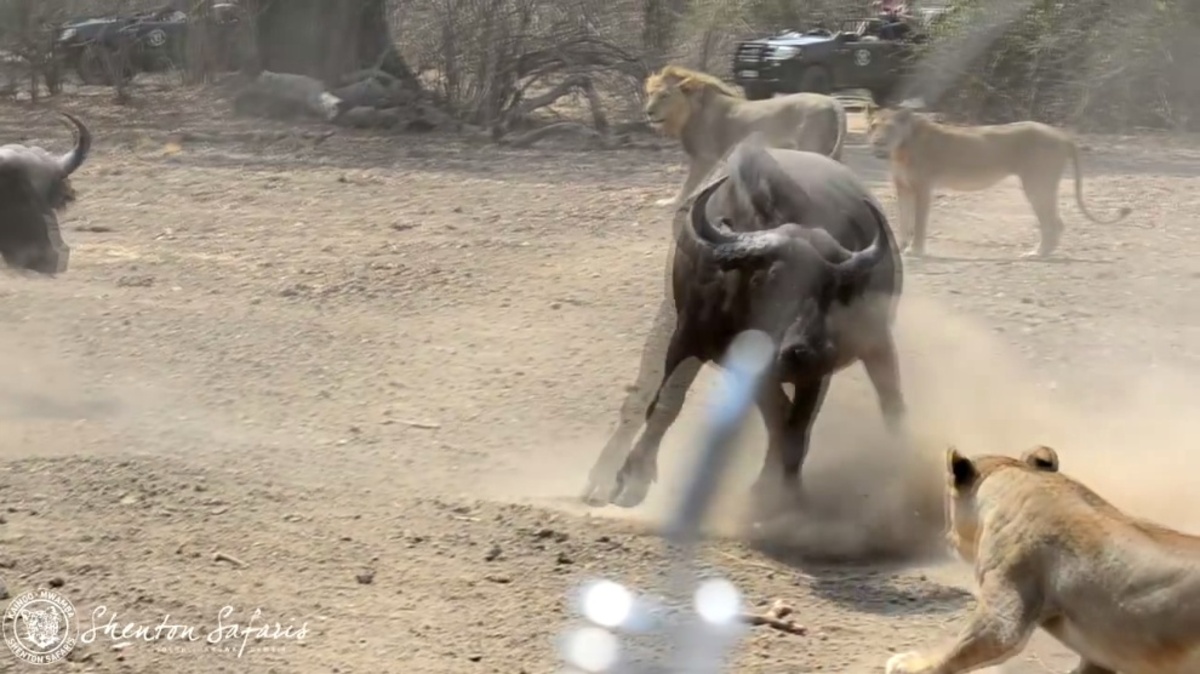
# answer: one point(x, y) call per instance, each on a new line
point(758, 92)
point(816, 79)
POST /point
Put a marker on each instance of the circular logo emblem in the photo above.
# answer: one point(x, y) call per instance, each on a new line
point(39, 626)
point(862, 57)
point(156, 37)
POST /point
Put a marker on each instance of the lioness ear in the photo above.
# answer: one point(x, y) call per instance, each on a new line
point(1042, 458)
point(688, 84)
point(962, 470)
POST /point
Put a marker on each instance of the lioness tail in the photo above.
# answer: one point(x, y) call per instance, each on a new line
point(1121, 213)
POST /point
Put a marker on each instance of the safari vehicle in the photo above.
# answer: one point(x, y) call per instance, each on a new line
point(150, 42)
point(862, 54)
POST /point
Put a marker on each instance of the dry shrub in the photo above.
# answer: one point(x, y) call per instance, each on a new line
point(1102, 65)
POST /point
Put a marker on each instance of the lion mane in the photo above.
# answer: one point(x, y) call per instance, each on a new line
point(690, 82)
point(709, 117)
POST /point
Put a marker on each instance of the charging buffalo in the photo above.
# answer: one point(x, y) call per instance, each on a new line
point(787, 242)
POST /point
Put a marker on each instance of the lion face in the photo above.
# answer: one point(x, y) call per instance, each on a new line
point(887, 130)
point(667, 106)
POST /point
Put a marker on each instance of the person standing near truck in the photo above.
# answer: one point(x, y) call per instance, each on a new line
point(896, 16)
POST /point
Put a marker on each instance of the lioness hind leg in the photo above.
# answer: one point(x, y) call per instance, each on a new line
point(996, 630)
point(1042, 193)
point(922, 199)
point(904, 204)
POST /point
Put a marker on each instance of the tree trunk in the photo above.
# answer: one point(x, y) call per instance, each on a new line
point(659, 19)
point(326, 39)
point(200, 62)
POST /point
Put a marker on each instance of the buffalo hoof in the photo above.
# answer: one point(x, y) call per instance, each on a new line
point(631, 491)
point(597, 494)
point(772, 499)
point(601, 484)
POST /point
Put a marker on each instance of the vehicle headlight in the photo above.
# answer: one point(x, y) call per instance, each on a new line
point(786, 52)
point(66, 34)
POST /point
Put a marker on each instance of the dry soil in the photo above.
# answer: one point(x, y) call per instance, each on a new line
point(374, 370)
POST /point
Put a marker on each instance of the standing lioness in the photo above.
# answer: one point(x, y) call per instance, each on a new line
point(709, 117)
point(1048, 552)
point(925, 154)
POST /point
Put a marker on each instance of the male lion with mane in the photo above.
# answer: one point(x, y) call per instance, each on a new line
point(925, 154)
point(709, 117)
point(1122, 592)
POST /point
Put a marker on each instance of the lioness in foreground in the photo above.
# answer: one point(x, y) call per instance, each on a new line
point(1048, 552)
point(709, 117)
point(925, 154)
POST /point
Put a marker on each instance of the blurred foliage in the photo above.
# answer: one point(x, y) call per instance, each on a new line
point(1093, 64)
point(1100, 65)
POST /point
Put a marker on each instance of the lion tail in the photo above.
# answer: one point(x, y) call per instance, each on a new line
point(1121, 213)
point(842, 129)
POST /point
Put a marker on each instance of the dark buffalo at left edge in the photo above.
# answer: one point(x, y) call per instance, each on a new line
point(34, 185)
point(790, 243)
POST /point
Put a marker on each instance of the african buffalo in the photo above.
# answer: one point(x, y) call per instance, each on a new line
point(34, 184)
point(769, 246)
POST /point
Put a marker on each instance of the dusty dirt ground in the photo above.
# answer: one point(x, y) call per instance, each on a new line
point(374, 371)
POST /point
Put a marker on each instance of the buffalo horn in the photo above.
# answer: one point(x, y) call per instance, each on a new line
point(859, 262)
point(73, 159)
point(739, 249)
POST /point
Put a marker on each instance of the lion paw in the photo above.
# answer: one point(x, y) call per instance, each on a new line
point(911, 662)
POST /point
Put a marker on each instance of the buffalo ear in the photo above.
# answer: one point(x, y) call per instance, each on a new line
point(1042, 458)
point(960, 469)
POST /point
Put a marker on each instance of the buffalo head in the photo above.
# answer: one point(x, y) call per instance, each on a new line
point(799, 273)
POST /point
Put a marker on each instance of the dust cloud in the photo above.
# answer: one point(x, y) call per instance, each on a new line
point(53, 401)
point(875, 497)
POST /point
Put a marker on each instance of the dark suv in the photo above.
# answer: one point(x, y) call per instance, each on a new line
point(150, 41)
point(870, 54)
